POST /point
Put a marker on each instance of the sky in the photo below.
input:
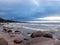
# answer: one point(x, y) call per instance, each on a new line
point(29, 10)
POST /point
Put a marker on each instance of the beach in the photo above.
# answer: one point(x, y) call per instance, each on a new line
point(23, 31)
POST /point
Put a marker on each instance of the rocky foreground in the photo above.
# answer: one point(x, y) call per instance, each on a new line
point(11, 36)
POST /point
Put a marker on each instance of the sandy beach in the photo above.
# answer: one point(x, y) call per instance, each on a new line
point(14, 27)
point(20, 31)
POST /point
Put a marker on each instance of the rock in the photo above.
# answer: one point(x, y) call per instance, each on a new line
point(17, 32)
point(4, 30)
point(3, 41)
point(9, 31)
point(18, 41)
point(26, 39)
point(12, 34)
point(49, 35)
point(40, 41)
point(43, 41)
point(28, 33)
point(58, 38)
point(41, 34)
point(57, 42)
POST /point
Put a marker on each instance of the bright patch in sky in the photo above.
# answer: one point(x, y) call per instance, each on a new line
point(52, 18)
point(36, 2)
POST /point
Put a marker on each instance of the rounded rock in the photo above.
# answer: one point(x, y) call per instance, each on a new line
point(41, 34)
point(3, 41)
point(17, 41)
point(40, 41)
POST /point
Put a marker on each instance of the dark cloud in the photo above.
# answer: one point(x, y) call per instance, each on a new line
point(28, 9)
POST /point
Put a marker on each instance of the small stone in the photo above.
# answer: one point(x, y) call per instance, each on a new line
point(17, 32)
point(18, 41)
point(9, 31)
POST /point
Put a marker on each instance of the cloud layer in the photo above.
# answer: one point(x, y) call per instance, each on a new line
point(28, 9)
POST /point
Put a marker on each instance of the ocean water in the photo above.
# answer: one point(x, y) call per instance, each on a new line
point(31, 27)
point(43, 27)
point(36, 27)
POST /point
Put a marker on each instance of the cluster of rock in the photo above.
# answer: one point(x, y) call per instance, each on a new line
point(37, 38)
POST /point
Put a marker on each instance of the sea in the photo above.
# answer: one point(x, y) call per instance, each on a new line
point(31, 27)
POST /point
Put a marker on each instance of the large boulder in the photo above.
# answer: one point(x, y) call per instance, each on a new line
point(41, 34)
point(18, 39)
point(43, 41)
point(3, 41)
point(40, 41)
point(57, 42)
point(37, 41)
